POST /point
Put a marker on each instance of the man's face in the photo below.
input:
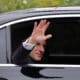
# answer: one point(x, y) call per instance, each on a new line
point(38, 51)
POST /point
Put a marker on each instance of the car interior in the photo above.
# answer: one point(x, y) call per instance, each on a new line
point(62, 48)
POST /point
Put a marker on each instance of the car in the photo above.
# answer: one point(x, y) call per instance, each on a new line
point(63, 48)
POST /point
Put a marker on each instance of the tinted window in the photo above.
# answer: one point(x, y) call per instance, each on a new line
point(64, 46)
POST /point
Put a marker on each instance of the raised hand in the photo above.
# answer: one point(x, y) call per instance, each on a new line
point(38, 34)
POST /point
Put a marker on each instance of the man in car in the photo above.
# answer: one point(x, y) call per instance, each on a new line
point(33, 48)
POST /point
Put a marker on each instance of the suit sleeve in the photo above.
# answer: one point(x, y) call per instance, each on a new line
point(19, 57)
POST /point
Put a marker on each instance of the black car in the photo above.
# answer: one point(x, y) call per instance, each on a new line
point(63, 48)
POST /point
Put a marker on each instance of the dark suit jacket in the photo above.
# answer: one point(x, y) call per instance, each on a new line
point(20, 56)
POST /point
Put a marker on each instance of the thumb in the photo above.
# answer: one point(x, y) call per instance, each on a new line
point(48, 36)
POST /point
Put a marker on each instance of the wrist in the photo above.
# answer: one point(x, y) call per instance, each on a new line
point(31, 40)
point(28, 45)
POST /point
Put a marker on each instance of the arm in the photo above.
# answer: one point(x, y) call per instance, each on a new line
point(20, 55)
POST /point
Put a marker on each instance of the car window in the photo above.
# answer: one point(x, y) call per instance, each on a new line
point(63, 47)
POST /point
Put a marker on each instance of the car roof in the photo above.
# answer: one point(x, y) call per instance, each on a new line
point(31, 12)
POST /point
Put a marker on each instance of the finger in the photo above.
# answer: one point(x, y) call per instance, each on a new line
point(41, 24)
point(48, 36)
point(46, 26)
point(35, 26)
point(44, 21)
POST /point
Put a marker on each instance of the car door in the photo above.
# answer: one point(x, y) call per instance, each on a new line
point(63, 48)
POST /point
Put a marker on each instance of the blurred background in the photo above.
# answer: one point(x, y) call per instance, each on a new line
point(11, 5)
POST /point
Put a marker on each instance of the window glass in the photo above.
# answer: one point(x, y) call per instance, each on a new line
point(64, 45)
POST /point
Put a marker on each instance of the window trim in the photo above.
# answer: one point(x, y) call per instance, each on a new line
point(40, 17)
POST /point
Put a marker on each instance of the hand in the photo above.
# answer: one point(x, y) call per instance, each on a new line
point(38, 34)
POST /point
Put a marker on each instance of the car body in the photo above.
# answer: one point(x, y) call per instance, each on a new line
point(15, 26)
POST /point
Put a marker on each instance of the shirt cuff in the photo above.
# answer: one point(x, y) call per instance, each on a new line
point(27, 45)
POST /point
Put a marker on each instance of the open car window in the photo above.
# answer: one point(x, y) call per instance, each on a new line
point(62, 48)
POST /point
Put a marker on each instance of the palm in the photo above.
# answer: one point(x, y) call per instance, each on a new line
point(38, 33)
